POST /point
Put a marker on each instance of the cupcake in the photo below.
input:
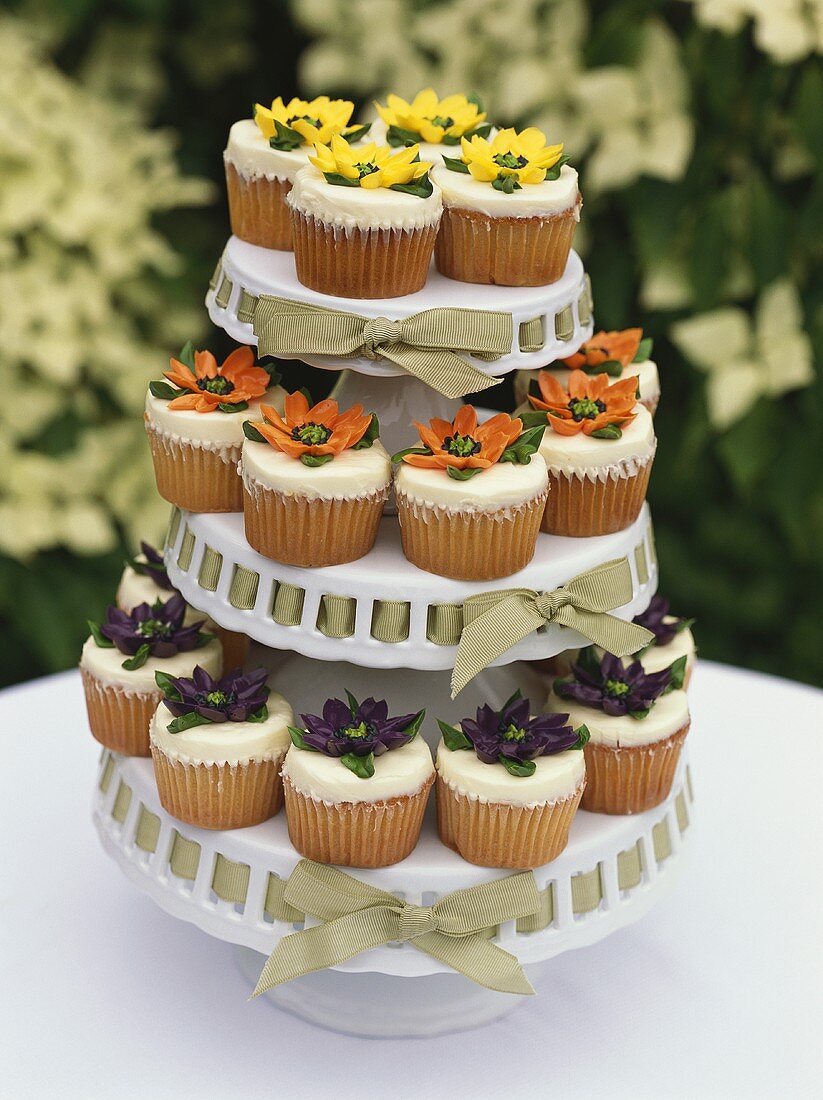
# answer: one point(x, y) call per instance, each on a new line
point(314, 482)
point(637, 722)
point(145, 580)
point(364, 220)
point(119, 662)
point(356, 784)
point(619, 354)
point(266, 152)
point(673, 640)
point(598, 445)
point(217, 746)
point(509, 784)
point(435, 125)
point(471, 497)
point(510, 209)
point(195, 429)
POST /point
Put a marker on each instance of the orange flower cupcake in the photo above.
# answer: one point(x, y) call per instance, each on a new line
point(195, 429)
point(470, 498)
point(623, 354)
point(598, 445)
point(314, 482)
point(265, 153)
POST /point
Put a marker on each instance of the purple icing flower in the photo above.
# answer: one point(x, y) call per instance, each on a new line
point(149, 630)
point(197, 699)
point(653, 618)
point(356, 732)
point(613, 687)
point(512, 737)
point(153, 567)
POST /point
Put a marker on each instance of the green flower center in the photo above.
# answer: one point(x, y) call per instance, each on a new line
point(356, 732)
point(218, 384)
point(365, 169)
point(217, 698)
point(304, 118)
point(155, 628)
point(443, 121)
point(584, 408)
point(513, 733)
point(616, 688)
point(509, 160)
point(461, 446)
point(311, 434)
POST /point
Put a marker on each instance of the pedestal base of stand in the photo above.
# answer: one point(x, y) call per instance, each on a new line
point(382, 1006)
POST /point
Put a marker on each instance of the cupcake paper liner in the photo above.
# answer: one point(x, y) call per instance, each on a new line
point(581, 506)
point(355, 834)
point(218, 796)
point(119, 719)
point(496, 834)
point(475, 248)
point(258, 210)
point(298, 530)
point(196, 478)
point(370, 263)
point(470, 546)
point(633, 779)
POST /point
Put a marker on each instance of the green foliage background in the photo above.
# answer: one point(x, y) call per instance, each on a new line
point(737, 491)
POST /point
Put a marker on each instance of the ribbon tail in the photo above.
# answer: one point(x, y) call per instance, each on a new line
point(326, 945)
point(616, 636)
point(478, 959)
point(445, 371)
point(489, 635)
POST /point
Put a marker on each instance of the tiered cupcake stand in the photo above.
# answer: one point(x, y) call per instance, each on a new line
point(381, 626)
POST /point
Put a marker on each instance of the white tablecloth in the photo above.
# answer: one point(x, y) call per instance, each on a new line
point(716, 993)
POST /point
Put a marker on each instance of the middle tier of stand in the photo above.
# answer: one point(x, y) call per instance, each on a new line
point(380, 611)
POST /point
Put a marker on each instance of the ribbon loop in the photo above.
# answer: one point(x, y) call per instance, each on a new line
point(495, 621)
point(358, 916)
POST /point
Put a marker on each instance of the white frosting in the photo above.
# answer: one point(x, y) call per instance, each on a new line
point(583, 455)
point(502, 485)
point(349, 474)
point(668, 715)
point(107, 665)
point(229, 743)
point(212, 430)
point(397, 773)
point(136, 588)
point(646, 374)
point(533, 200)
point(661, 656)
point(250, 154)
point(351, 208)
point(555, 777)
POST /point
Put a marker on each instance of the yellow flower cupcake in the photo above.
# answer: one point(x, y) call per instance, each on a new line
point(510, 209)
point(266, 152)
point(364, 220)
point(435, 125)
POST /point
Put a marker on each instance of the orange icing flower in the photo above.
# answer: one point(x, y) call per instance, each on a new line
point(464, 444)
point(606, 347)
point(590, 405)
point(237, 381)
point(317, 432)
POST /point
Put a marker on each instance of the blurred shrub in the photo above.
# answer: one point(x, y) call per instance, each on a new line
point(698, 130)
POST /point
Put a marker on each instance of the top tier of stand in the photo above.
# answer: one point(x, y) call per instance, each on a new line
point(549, 321)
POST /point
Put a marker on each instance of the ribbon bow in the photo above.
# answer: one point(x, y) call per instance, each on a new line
point(495, 621)
point(424, 344)
point(358, 916)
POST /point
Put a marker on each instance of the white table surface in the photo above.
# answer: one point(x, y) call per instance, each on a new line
point(716, 993)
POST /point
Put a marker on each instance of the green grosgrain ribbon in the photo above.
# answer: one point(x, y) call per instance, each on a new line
point(495, 621)
point(424, 345)
point(358, 916)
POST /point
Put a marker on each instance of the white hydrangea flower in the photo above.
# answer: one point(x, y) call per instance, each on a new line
point(787, 30)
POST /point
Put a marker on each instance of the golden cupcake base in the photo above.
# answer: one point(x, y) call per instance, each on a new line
point(194, 478)
point(633, 779)
point(579, 507)
point(119, 720)
point(258, 210)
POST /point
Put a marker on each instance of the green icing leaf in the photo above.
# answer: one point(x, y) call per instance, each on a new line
point(638, 714)
point(397, 457)
point(164, 391)
point(371, 433)
point(583, 737)
point(588, 660)
point(677, 670)
point(412, 729)
point(644, 350)
point(533, 417)
point(187, 722)
point(453, 737)
point(362, 766)
point(298, 740)
point(99, 638)
point(521, 768)
point(353, 704)
point(356, 133)
point(315, 460)
point(507, 184)
point(166, 685)
point(396, 136)
point(285, 138)
point(186, 356)
point(474, 98)
point(305, 391)
point(455, 164)
point(227, 407)
point(259, 715)
point(340, 181)
point(421, 188)
point(554, 172)
point(462, 475)
point(250, 432)
point(611, 431)
point(139, 659)
point(203, 639)
point(612, 367)
point(523, 448)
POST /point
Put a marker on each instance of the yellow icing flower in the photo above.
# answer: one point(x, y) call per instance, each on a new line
point(304, 122)
point(372, 166)
point(427, 118)
point(510, 159)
